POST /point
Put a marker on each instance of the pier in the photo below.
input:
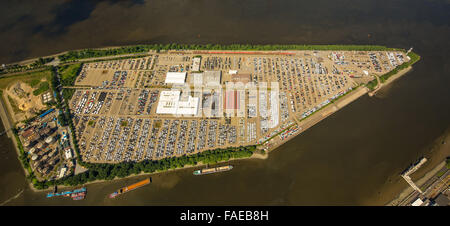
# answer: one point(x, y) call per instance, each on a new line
point(411, 170)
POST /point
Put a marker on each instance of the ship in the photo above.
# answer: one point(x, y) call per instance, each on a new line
point(213, 170)
point(129, 188)
point(77, 194)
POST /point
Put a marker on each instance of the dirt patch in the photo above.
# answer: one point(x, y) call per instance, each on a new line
point(22, 101)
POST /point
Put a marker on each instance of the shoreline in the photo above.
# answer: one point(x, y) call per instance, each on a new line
point(328, 110)
point(7, 124)
point(334, 47)
point(320, 115)
point(390, 80)
point(274, 143)
point(409, 190)
point(31, 60)
point(254, 156)
point(436, 154)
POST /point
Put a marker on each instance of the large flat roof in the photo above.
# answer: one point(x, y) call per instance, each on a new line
point(175, 77)
point(212, 78)
point(170, 103)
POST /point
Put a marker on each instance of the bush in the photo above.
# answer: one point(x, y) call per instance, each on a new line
point(414, 58)
point(69, 74)
point(102, 171)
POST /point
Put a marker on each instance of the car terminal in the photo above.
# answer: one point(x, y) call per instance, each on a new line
point(177, 102)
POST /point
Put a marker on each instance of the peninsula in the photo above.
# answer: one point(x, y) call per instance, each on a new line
point(100, 114)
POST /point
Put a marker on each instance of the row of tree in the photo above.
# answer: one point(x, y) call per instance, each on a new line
point(414, 58)
point(110, 171)
point(39, 63)
point(90, 53)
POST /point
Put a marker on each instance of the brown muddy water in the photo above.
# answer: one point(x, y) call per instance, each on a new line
point(353, 157)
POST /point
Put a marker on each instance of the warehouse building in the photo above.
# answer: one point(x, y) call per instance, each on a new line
point(244, 78)
point(175, 78)
point(170, 102)
point(196, 79)
point(212, 78)
point(232, 100)
point(196, 63)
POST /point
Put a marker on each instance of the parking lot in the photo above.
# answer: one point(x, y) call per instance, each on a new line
point(115, 105)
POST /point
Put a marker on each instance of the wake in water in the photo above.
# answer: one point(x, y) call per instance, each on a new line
point(10, 199)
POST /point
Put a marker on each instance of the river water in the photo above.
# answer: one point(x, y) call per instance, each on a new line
point(353, 157)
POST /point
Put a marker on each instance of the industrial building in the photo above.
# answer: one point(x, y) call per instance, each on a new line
point(196, 79)
point(175, 78)
point(196, 63)
point(170, 102)
point(68, 153)
point(244, 78)
point(188, 106)
point(212, 78)
point(232, 100)
point(207, 78)
point(62, 172)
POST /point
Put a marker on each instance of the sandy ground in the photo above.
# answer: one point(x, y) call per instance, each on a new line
point(27, 103)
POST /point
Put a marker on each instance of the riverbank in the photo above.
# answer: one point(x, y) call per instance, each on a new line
point(31, 60)
point(176, 46)
point(5, 115)
point(436, 155)
point(198, 165)
point(333, 107)
point(318, 116)
point(303, 124)
point(390, 80)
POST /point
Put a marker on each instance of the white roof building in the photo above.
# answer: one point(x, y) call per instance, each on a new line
point(188, 107)
point(196, 63)
point(418, 202)
point(170, 103)
point(68, 153)
point(197, 79)
point(212, 78)
point(175, 77)
point(62, 172)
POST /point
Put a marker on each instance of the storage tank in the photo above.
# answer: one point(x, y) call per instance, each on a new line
point(49, 140)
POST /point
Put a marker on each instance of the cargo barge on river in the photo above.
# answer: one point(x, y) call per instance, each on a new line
point(129, 188)
point(77, 194)
point(213, 170)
